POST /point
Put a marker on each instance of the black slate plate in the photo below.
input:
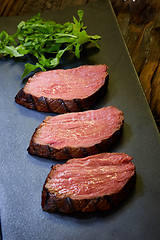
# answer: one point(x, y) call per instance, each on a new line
point(22, 176)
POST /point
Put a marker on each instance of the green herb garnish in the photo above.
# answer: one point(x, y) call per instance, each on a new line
point(44, 39)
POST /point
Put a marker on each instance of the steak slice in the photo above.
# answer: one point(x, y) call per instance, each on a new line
point(62, 91)
point(79, 134)
point(97, 182)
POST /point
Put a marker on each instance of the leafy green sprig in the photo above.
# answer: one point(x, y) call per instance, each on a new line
point(42, 38)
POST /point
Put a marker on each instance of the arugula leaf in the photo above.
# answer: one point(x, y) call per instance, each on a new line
point(12, 51)
point(30, 68)
point(47, 41)
point(80, 14)
point(77, 50)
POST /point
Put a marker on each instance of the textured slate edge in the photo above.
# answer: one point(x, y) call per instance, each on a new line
point(0, 232)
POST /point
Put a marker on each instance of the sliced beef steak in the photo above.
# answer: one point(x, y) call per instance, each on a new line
point(97, 182)
point(76, 134)
point(62, 91)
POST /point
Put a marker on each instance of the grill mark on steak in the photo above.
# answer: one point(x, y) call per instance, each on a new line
point(30, 99)
point(64, 106)
point(47, 105)
point(27, 99)
point(90, 204)
point(52, 105)
point(49, 150)
point(40, 104)
point(69, 202)
point(70, 205)
point(57, 106)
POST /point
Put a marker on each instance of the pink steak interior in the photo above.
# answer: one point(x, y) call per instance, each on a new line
point(83, 129)
point(90, 177)
point(69, 84)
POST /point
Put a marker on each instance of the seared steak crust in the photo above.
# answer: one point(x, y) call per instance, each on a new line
point(59, 105)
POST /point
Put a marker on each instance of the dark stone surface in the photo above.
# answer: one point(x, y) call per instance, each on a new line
point(22, 176)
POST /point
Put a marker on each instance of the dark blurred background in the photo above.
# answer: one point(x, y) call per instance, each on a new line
point(139, 21)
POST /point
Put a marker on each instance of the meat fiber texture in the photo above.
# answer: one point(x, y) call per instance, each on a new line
point(73, 135)
point(62, 91)
point(98, 182)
